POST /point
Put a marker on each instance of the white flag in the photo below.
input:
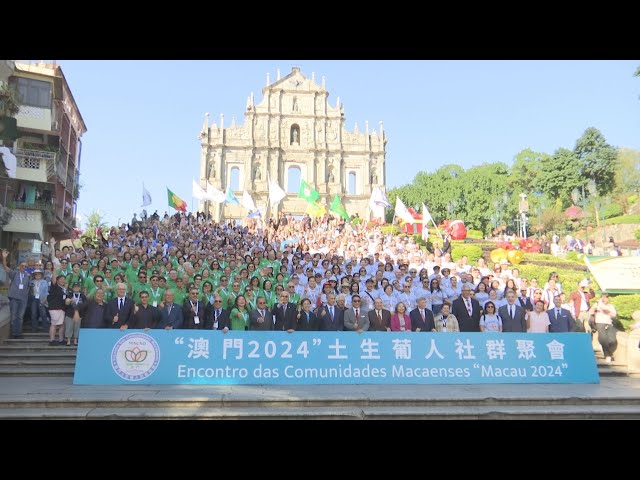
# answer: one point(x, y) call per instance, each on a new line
point(215, 195)
point(426, 216)
point(402, 213)
point(247, 201)
point(381, 198)
point(10, 161)
point(146, 197)
point(275, 193)
point(198, 192)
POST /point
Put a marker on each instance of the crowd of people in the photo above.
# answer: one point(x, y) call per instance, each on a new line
point(186, 271)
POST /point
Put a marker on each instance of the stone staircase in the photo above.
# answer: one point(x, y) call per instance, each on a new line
point(36, 383)
point(32, 356)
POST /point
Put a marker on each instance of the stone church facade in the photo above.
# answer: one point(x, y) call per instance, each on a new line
point(293, 134)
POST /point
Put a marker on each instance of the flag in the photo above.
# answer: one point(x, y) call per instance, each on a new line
point(176, 202)
point(338, 207)
point(275, 192)
point(247, 201)
point(214, 195)
point(230, 197)
point(197, 191)
point(315, 209)
point(10, 161)
point(255, 213)
point(146, 197)
point(380, 198)
point(402, 213)
point(426, 216)
point(308, 193)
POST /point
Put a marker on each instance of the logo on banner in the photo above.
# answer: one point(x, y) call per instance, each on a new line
point(135, 357)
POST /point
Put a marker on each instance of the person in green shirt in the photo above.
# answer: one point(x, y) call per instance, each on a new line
point(239, 315)
point(269, 293)
point(97, 283)
point(294, 297)
point(156, 293)
point(207, 296)
point(75, 275)
point(108, 284)
point(180, 293)
point(252, 296)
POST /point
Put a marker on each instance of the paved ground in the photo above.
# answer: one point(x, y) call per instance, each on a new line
point(61, 388)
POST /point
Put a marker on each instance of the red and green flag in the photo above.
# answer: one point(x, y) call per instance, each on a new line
point(308, 193)
point(176, 202)
point(338, 207)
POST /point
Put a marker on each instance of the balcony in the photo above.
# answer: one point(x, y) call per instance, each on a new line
point(34, 165)
point(47, 209)
point(28, 222)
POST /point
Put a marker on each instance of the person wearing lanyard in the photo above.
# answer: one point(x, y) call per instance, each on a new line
point(193, 311)
point(18, 294)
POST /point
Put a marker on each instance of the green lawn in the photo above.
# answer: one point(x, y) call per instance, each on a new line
point(624, 219)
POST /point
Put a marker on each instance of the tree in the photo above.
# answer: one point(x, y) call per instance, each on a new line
point(637, 74)
point(597, 160)
point(559, 175)
point(525, 170)
point(628, 171)
point(94, 225)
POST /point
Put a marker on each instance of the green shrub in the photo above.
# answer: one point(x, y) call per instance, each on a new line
point(624, 219)
point(625, 306)
point(392, 229)
point(637, 234)
point(472, 251)
point(573, 256)
point(632, 199)
point(419, 241)
point(612, 210)
point(569, 278)
point(475, 234)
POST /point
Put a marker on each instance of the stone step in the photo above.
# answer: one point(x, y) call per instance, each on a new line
point(44, 347)
point(50, 354)
point(37, 371)
point(440, 412)
point(62, 361)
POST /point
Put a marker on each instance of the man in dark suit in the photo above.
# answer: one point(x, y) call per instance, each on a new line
point(261, 318)
point(467, 311)
point(560, 318)
point(216, 317)
point(379, 317)
point(524, 301)
point(285, 316)
point(422, 318)
point(144, 315)
point(193, 312)
point(513, 316)
point(307, 320)
point(170, 313)
point(119, 309)
point(330, 316)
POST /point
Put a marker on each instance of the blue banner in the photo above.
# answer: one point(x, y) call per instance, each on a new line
point(109, 357)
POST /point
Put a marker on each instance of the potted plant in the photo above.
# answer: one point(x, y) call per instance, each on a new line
point(9, 103)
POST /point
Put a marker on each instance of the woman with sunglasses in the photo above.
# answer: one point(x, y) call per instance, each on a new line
point(490, 320)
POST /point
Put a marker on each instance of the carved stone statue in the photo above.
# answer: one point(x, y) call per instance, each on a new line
point(257, 173)
point(374, 177)
point(330, 176)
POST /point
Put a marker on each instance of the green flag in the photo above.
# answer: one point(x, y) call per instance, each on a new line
point(338, 207)
point(308, 193)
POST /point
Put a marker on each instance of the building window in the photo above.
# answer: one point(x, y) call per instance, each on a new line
point(293, 179)
point(352, 183)
point(234, 180)
point(295, 135)
point(34, 93)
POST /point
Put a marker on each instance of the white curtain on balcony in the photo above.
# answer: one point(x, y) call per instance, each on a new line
point(10, 161)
